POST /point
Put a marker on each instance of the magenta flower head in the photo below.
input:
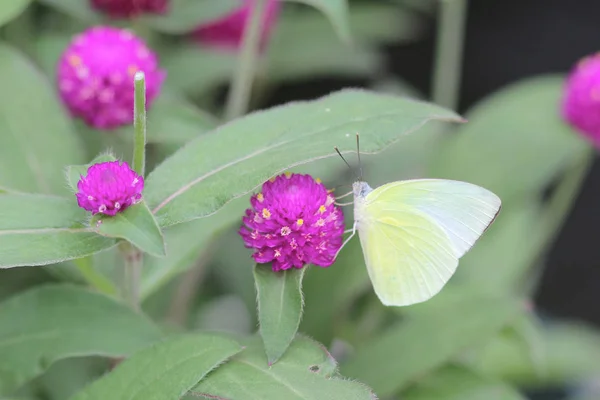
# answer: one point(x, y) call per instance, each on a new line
point(109, 187)
point(227, 32)
point(581, 98)
point(293, 222)
point(130, 8)
point(95, 76)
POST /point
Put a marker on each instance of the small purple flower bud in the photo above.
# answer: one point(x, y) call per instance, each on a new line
point(581, 98)
point(109, 187)
point(227, 32)
point(95, 76)
point(130, 8)
point(293, 222)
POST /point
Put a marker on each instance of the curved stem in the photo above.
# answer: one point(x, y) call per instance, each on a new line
point(241, 85)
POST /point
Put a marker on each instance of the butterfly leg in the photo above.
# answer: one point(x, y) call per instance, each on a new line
point(344, 195)
point(347, 240)
point(343, 204)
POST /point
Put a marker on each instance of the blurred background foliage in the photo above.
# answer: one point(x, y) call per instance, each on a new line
point(483, 337)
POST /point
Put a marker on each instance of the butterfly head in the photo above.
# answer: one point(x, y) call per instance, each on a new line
point(361, 189)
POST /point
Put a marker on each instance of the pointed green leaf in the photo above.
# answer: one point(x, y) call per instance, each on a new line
point(305, 372)
point(455, 382)
point(38, 138)
point(280, 303)
point(75, 172)
point(185, 15)
point(12, 9)
point(513, 124)
point(40, 230)
point(167, 370)
point(136, 225)
point(336, 11)
point(49, 323)
point(433, 333)
point(208, 172)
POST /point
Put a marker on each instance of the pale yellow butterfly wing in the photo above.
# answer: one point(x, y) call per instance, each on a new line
point(413, 233)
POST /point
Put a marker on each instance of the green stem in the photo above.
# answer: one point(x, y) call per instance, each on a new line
point(133, 258)
point(97, 280)
point(241, 85)
point(554, 215)
point(448, 53)
point(139, 123)
point(564, 197)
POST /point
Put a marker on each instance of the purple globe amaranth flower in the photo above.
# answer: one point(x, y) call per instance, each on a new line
point(109, 187)
point(293, 222)
point(581, 98)
point(130, 8)
point(95, 76)
point(227, 32)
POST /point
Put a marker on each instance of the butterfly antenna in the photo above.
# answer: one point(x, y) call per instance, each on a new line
point(340, 154)
point(358, 154)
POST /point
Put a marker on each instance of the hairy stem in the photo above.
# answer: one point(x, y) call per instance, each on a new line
point(133, 258)
point(139, 123)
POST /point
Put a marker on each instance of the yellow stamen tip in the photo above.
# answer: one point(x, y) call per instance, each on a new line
point(260, 197)
point(300, 222)
point(74, 60)
point(318, 180)
point(288, 174)
point(322, 209)
point(266, 213)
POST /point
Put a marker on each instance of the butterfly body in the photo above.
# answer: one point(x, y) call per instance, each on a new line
point(413, 233)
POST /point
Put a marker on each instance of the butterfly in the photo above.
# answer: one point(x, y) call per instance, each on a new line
point(413, 232)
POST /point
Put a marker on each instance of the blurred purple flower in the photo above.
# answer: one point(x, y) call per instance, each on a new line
point(227, 32)
point(293, 222)
point(95, 76)
point(130, 8)
point(109, 187)
point(581, 98)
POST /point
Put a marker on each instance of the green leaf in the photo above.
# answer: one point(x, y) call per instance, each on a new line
point(571, 355)
point(304, 44)
point(305, 372)
point(75, 172)
point(166, 370)
point(186, 242)
point(280, 302)
point(171, 119)
point(433, 333)
point(40, 230)
point(49, 323)
point(217, 67)
point(10, 10)
point(455, 382)
point(185, 15)
point(208, 172)
point(520, 123)
point(336, 11)
point(33, 150)
point(136, 225)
